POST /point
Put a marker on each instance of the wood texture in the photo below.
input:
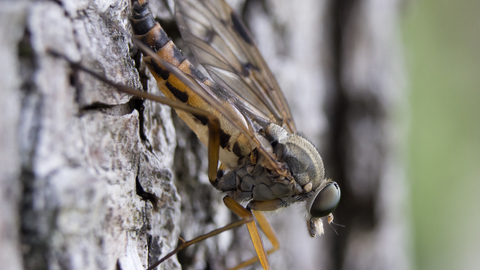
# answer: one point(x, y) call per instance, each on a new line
point(75, 152)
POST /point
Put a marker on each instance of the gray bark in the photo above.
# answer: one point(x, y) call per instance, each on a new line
point(78, 147)
point(75, 152)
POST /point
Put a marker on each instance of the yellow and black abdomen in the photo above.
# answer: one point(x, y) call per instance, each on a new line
point(233, 144)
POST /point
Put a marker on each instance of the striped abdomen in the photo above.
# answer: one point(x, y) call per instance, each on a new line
point(232, 142)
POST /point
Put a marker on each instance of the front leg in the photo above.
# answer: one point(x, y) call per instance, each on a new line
point(269, 232)
point(246, 218)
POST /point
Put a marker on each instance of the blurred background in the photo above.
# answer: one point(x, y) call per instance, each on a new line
point(442, 41)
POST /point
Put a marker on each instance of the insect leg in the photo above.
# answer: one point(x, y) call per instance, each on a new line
point(213, 155)
point(213, 123)
point(269, 232)
point(246, 217)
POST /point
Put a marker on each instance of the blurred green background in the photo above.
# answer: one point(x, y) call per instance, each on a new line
point(442, 40)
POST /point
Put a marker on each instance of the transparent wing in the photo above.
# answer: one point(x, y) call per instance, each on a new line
point(249, 122)
point(224, 47)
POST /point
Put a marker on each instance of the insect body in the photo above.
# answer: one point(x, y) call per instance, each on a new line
point(240, 114)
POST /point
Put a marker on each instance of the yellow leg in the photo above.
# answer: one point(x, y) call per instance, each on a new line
point(252, 229)
point(246, 217)
point(213, 156)
point(269, 232)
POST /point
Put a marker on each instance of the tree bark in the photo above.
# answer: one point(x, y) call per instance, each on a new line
point(94, 179)
point(86, 157)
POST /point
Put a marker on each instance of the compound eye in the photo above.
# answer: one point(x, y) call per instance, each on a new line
point(326, 201)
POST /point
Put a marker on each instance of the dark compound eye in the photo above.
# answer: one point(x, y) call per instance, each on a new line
point(326, 201)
